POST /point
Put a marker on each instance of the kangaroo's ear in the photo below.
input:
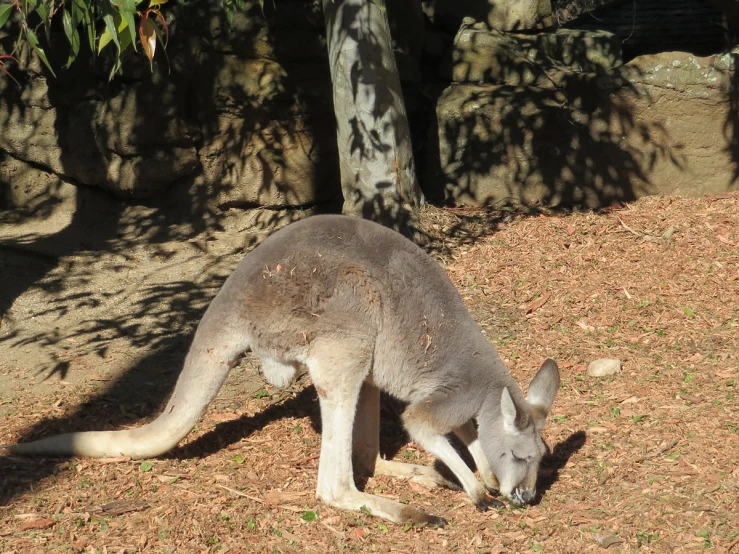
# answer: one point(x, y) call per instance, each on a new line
point(544, 385)
point(515, 418)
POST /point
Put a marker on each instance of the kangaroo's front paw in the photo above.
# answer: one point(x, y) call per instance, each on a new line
point(488, 502)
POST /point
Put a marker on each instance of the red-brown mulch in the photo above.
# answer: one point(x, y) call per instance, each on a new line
point(644, 460)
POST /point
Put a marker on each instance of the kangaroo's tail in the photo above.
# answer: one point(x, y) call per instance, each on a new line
point(216, 345)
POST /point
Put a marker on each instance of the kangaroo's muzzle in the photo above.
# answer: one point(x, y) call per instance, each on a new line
point(520, 497)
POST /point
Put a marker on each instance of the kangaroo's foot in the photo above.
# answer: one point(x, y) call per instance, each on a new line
point(385, 508)
point(423, 475)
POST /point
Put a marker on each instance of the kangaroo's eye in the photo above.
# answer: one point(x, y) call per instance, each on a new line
point(522, 459)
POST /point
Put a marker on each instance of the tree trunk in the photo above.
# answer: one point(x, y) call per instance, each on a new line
point(378, 175)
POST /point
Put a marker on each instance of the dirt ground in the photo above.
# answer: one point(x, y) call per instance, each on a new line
point(645, 460)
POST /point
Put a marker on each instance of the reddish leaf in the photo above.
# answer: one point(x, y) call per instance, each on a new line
point(357, 533)
point(164, 26)
point(534, 305)
point(5, 70)
point(148, 36)
point(40, 524)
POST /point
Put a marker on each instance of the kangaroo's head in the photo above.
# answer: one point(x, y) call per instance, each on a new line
point(516, 448)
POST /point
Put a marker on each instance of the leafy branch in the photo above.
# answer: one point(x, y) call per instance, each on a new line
point(99, 23)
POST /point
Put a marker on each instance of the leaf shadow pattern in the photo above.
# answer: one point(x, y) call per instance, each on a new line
point(170, 242)
point(138, 129)
point(731, 125)
point(543, 131)
point(231, 432)
point(378, 176)
point(142, 390)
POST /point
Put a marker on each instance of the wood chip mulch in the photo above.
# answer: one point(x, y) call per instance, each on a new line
point(645, 460)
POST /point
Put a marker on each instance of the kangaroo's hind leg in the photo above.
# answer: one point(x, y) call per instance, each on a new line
point(468, 435)
point(338, 369)
point(421, 426)
point(366, 433)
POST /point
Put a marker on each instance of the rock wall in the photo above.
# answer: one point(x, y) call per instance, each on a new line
point(557, 119)
point(505, 110)
point(231, 117)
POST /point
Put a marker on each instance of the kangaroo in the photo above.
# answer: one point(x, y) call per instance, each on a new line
point(364, 310)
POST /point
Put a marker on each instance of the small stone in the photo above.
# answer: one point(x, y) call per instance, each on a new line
point(606, 541)
point(691, 398)
point(604, 367)
point(667, 235)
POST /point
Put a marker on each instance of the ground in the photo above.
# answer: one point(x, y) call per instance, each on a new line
point(643, 460)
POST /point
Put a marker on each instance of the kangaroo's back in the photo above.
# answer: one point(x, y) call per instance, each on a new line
point(327, 276)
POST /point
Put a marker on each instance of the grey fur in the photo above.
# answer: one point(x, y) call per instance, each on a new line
point(365, 310)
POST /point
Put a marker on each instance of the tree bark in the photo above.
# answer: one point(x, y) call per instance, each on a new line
point(378, 175)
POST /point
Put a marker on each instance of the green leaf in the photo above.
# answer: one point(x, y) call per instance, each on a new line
point(30, 6)
point(33, 41)
point(119, 38)
point(116, 66)
point(70, 29)
point(78, 9)
point(688, 312)
point(128, 11)
point(43, 12)
point(76, 14)
point(382, 527)
point(105, 39)
point(110, 25)
point(145, 466)
point(309, 516)
point(125, 38)
point(128, 18)
point(81, 13)
point(125, 49)
point(5, 11)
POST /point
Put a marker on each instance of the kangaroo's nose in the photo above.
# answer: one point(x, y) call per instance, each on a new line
point(523, 496)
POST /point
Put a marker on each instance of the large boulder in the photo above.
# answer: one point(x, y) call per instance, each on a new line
point(132, 140)
point(508, 15)
point(482, 54)
point(661, 124)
